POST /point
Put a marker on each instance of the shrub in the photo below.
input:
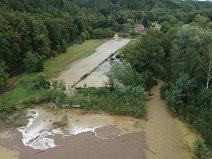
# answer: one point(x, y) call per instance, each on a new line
point(33, 62)
point(200, 150)
point(164, 90)
point(100, 33)
point(181, 93)
point(3, 75)
point(62, 123)
point(59, 84)
point(41, 82)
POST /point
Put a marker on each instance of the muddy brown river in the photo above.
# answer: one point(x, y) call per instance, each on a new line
point(98, 136)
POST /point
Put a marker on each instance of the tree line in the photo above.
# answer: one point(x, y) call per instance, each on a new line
point(182, 57)
point(47, 28)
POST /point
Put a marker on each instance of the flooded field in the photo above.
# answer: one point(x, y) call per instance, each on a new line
point(98, 77)
point(79, 68)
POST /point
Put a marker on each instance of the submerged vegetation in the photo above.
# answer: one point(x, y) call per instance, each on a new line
point(62, 123)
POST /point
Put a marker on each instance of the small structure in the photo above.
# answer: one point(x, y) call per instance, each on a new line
point(139, 28)
point(156, 26)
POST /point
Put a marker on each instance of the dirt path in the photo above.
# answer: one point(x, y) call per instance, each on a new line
point(165, 136)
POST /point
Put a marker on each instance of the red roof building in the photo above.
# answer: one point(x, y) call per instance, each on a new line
point(139, 28)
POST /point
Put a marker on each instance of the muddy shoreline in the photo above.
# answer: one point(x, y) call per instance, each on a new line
point(118, 137)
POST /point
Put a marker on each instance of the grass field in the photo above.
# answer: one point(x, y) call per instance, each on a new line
point(23, 89)
point(75, 52)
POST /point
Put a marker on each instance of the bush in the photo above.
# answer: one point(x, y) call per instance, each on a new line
point(62, 123)
point(126, 100)
point(33, 62)
point(124, 74)
point(3, 75)
point(164, 90)
point(58, 84)
point(200, 150)
point(41, 82)
point(181, 92)
point(100, 33)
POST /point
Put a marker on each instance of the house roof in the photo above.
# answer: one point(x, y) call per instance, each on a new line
point(139, 27)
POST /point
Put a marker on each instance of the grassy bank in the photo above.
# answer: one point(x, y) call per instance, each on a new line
point(23, 89)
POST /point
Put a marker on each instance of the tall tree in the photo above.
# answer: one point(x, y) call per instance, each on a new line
point(206, 61)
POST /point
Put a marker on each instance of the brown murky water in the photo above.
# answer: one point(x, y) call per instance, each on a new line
point(40, 127)
point(165, 136)
point(7, 154)
point(100, 135)
point(86, 136)
point(79, 68)
point(98, 77)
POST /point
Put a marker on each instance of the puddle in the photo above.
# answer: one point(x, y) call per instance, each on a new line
point(40, 131)
point(7, 154)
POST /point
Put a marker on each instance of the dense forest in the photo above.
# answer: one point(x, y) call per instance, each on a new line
point(180, 54)
point(47, 28)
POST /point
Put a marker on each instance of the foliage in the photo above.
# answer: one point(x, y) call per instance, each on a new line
point(100, 33)
point(125, 75)
point(148, 54)
point(33, 62)
point(200, 150)
point(164, 90)
point(58, 84)
point(181, 93)
point(175, 56)
point(62, 123)
point(121, 101)
point(3, 75)
point(41, 82)
point(47, 27)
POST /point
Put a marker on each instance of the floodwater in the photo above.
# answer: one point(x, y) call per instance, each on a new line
point(166, 137)
point(79, 68)
point(7, 154)
point(88, 135)
point(98, 77)
point(38, 133)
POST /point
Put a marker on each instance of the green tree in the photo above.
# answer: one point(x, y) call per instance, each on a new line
point(201, 20)
point(3, 75)
point(33, 62)
point(206, 61)
point(181, 93)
